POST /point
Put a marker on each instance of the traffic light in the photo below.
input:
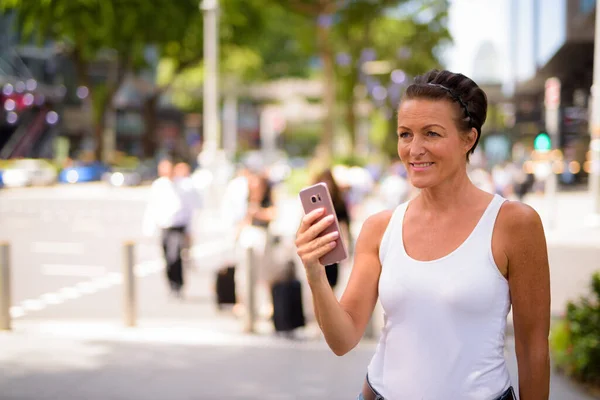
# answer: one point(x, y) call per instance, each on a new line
point(542, 142)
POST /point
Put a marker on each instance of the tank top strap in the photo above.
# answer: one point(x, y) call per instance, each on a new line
point(393, 233)
point(485, 227)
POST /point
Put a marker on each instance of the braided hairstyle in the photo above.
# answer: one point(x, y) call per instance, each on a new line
point(457, 88)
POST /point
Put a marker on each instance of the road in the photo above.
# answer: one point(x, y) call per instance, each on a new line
point(67, 250)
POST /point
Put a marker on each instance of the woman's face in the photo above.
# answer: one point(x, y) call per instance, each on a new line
point(429, 143)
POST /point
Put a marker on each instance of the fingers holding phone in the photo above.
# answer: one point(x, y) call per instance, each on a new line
point(318, 239)
point(310, 244)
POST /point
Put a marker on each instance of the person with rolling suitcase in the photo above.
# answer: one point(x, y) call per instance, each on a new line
point(234, 208)
point(288, 312)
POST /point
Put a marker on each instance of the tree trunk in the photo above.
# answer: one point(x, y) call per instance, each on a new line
point(329, 94)
point(350, 104)
point(351, 124)
point(99, 138)
point(149, 139)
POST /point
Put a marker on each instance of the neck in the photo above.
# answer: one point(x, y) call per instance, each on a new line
point(454, 193)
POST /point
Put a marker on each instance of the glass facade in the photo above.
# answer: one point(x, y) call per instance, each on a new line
point(552, 28)
point(587, 6)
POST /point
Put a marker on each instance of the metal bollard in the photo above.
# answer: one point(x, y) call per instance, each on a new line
point(129, 309)
point(250, 271)
point(5, 297)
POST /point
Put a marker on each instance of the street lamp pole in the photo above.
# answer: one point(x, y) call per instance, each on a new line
point(211, 135)
point(594, 172)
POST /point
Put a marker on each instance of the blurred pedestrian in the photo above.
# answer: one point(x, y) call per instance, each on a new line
point(234, 208)
point(193, 200)
point(394, 187)
point(341, 212)
point(277, 280)
point(447, 266)
point(482, 179)
point(254, 232)
point(170, 211)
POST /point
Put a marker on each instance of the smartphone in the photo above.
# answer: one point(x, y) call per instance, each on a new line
point(317, 196)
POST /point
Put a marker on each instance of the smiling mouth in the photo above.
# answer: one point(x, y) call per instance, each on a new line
point(422, 165)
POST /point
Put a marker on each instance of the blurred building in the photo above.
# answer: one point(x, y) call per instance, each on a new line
point(553, 38)
point(30, 98)
point(48, 74)
point(511, 47)
point(481, 50)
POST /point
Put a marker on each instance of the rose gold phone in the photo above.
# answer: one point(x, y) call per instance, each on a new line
point(317, 196)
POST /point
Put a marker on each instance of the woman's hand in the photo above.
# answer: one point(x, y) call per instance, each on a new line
point(309, 246)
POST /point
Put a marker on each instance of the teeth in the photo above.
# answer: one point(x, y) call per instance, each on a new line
point(423, 164)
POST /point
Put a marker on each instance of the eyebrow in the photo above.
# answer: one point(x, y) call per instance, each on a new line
point(425, 127)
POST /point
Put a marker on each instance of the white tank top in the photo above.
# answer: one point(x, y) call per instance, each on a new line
point(443, 336)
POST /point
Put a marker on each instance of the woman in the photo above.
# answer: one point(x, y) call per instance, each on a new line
point(254, 230)
point(446, 265)
point(341, 211)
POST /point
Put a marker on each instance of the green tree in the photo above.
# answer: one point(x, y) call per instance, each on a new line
point(402, 35)
point(259, 41)
point(119, 30)
point(343, 29)
point(322, 14)
point(256, 43)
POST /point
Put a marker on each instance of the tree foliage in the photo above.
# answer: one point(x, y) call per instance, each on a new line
point(258, 40)
point(405, 35)
point(121, 30)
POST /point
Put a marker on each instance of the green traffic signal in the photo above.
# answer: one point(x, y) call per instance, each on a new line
point(542, 142)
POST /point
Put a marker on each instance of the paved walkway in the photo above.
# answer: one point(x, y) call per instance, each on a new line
point(190, 351)
point(179, 361)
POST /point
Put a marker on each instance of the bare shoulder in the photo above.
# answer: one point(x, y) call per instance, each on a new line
point(378, 222)
point(521, 230)
point(515, 216)
point(373, 228)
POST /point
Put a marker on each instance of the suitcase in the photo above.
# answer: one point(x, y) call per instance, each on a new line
point(225, 286)
point(288, 313)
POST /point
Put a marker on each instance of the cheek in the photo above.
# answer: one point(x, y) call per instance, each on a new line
point(403, 149)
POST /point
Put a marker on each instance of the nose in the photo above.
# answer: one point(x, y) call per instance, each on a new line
point(417, 147)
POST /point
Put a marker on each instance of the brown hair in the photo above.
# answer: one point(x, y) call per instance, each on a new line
point(336, 194)
point(457, 88)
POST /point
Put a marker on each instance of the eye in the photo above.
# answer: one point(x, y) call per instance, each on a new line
point(403, 135)
point(432, 133)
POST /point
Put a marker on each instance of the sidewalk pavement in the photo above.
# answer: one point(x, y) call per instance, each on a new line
point(190, 351)
point(166, 360)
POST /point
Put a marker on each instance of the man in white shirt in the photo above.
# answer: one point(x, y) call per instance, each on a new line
point(170, 210)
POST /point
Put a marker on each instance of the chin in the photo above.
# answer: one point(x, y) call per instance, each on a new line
point(423, 183)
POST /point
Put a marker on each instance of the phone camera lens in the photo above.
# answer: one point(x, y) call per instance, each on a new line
point(313, 199)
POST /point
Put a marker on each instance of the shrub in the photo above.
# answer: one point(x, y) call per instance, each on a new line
point(575, 341)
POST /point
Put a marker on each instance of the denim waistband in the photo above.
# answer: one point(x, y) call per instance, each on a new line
point(509, 394)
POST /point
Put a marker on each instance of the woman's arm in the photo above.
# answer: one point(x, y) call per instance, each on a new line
point(529, 282)
point(343, 322)
point(266, 214)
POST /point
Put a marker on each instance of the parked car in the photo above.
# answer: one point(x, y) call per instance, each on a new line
point(122, 177)
point(83, 172)
point(29, 172)
point(131, 176)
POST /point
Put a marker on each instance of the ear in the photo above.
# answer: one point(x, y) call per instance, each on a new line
point(470, 139)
